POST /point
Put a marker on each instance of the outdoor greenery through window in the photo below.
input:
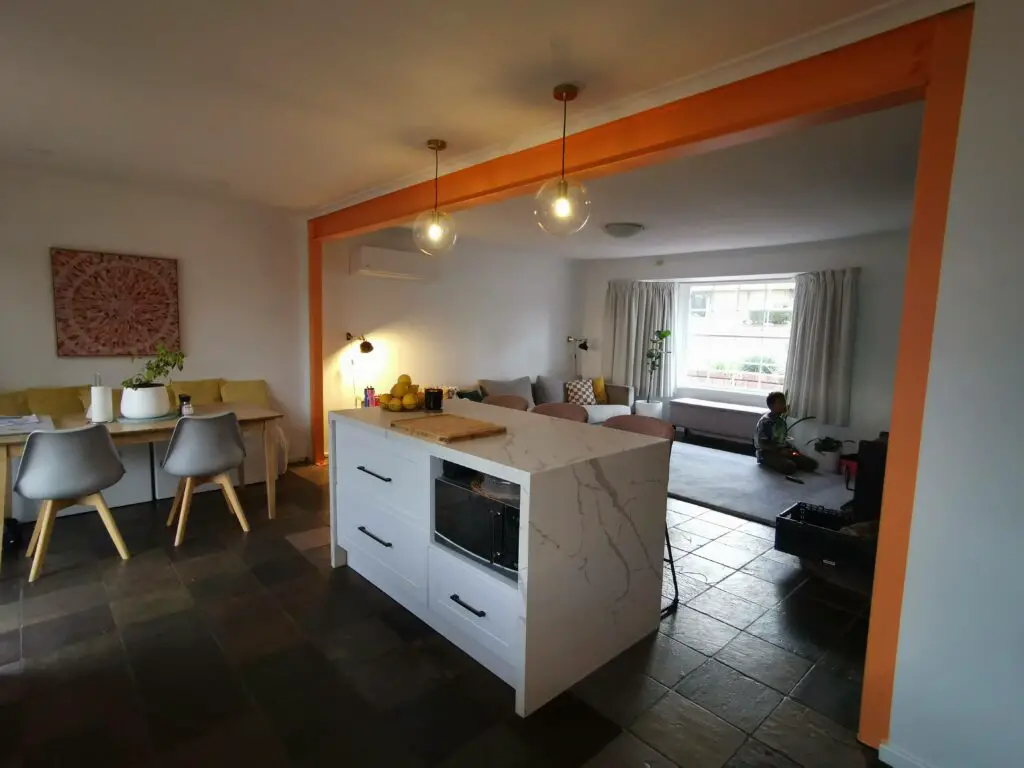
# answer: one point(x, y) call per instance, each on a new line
point(737, 335)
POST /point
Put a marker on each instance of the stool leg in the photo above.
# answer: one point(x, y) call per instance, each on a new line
point(46, 519)
point(108, 522)
point(177, 501)
point(186, 502)
point(224, 481)
point(36, 528)
point(674, 603)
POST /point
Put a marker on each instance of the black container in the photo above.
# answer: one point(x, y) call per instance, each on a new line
point(476, 526)
point(433, 399)
point(812, 532)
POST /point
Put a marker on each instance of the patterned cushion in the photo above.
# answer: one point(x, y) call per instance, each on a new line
point(580, 391)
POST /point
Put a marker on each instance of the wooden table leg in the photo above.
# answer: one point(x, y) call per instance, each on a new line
point(270, 454)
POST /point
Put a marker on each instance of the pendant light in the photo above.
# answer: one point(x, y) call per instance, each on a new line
point(434, 231)
point(562, 206)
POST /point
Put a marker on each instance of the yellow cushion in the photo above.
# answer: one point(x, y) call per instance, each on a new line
point(203, 391)
point(85, 395)
point(251, 392)
point(14, 404)
point(55, 401)
point(600, 393)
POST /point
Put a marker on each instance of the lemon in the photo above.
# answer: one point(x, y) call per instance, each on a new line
point(420, 397)
point(405, 378)
point(400, 390)
point(409, 402)
point(384, 399)
point(414, 388)
point(395, 405)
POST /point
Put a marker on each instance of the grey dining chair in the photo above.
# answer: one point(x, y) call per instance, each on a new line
point(203, 449)
point(647, 425)
point(567, 411)
point(63, 468)
point(515, 402)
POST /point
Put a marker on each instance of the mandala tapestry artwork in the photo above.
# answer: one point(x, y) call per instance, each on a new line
point(110, 305)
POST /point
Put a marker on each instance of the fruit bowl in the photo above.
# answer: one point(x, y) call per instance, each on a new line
point(404, 396)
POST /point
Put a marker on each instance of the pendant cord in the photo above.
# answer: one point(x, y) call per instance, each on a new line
point(565, 111)
point(435, 179)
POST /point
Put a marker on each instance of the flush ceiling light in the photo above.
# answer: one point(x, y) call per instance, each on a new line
point(562, 206)
point(620, 230)
point(434, 231)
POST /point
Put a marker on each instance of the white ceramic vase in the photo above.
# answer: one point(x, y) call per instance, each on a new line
point(650, 408)
point(145, 402)
point(828, 463)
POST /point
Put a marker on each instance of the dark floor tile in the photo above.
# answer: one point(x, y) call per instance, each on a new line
point(320, 557)
point(662, 658)
point(688, 734)
point(358, 641)
point(739, 540)
point(767, 569)
point(225, 586)
point(727, 607)
point(700, 632)
point(255, 549)
point(811, 739)
point(61, 572)
point(701, 569)
point(833, 688)
point(46, 637)
point(358, 743)
point(685, 541)
point(487, 691)
point(499, 747)
point(754, 754)
point(619, 693)
point(754, 589)
point(437, 723)
point(764, 662)
point(703, 528)
point(782, 557)
point(806, 628)
point(244, 740)
point(97, 661)
point(760, 530)
point(674, 518)
point(150, 605)
point(10, 617)
point(62, 602)
point(825, 592)
point(735, 698)
point(213, 564)
point(627, 751)
point(197, 543)
point(10, 647)
point(141, 574)
point(688, 588)
point(405, 624)
point(251, 627)
point(321, 606)
point(392, 679)
point(724, 554)
point(447, 660)
point(10, 588)
point(117, 742)
point(283, 569)
point(566, 731)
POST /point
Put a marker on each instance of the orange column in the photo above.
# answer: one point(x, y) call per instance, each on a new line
point(315, 297)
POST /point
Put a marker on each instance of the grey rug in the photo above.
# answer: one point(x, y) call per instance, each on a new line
point(735, 484)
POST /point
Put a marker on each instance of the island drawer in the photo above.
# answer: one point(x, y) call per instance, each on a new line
point(397, 549)
point(481, 606)
point(397, 480)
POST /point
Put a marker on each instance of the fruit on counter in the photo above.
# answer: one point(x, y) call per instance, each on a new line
point(400, 390)
point(384, 400)
point(395, 404)
point(405, 378)
point(409, 402)
point(413, 389)
point(421, 396)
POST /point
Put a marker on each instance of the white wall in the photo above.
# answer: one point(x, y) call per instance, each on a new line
point(959, 692)
point(490, 313)
point(241, 290)
point(883, 261)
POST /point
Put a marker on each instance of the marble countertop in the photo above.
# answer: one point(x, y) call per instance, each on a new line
point(533, 443)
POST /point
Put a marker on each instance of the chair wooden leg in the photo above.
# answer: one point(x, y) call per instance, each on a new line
point(186, 502)
point(36, 528)
point(47, 514)
point(177, 501)
point(224, 481)
point(107, 517)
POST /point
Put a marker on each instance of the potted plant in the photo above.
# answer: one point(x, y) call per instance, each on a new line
point(653, 359)
point(144, 395)
point(828, 450)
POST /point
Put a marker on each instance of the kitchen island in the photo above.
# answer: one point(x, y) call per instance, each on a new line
point(586, 582)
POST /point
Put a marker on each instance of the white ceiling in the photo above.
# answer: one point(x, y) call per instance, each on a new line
point(842, 179)
point(304, 103)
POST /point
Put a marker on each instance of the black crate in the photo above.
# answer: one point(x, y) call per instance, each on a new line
point(812, 532)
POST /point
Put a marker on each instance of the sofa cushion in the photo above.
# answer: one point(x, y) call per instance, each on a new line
point(520, 387)
point(14, 404)
point(251, 392)
point(599, 413)
point(470, 394)
point(600, 393)
point(202, 391)
point(55, 401)
point(580, 392)
point(549, 389)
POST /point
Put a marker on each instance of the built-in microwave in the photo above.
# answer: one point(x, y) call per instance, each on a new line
point(480, 527)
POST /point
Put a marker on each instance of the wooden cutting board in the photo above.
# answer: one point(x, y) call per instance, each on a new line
point(446, 428)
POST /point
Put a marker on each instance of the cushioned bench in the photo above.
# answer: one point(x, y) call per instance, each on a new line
point(727, 420)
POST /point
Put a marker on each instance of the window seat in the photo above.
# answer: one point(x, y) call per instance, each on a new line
point(726, 420)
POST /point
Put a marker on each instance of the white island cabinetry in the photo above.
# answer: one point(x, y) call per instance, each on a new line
point(590, 536)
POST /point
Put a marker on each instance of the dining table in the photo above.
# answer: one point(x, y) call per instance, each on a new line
point(251, 419)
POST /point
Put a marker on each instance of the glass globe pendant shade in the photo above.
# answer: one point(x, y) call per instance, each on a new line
point(434, 232)
point(562, 207)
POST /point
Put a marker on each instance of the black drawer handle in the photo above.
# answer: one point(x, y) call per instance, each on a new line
point(378, 539)
point(479, 614)
point(371, 473)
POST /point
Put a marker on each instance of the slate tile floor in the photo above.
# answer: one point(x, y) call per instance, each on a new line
point(249, 650)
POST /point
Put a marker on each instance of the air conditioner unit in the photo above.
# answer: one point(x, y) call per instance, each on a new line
point(372, 261)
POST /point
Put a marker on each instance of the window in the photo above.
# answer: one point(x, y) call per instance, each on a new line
point(737, 335)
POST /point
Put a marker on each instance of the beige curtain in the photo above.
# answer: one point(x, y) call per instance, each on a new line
point(820, 364)
point(634, 310)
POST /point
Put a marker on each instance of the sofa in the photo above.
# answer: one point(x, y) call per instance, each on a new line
point(143, 474)
point(551, 389)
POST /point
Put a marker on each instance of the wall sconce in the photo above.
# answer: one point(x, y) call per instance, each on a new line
point(581, 344)
point(364, 346)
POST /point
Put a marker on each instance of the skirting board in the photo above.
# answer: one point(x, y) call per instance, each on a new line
point(897, 759)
